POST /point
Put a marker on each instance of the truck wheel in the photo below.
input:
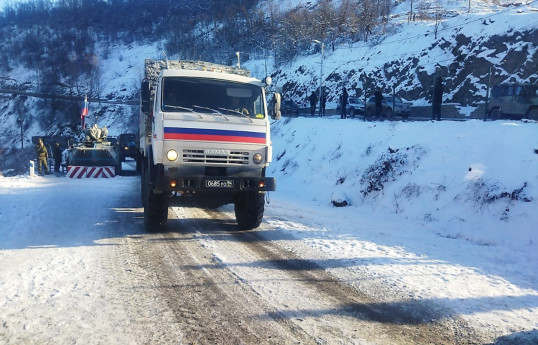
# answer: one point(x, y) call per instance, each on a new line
point(389, 114)
point(496, 113)
point(155, 211)
point(533, 114)
point(138, 165)
point(143, 182)
point(249, 207)
point(155, 206)
point(119, 170)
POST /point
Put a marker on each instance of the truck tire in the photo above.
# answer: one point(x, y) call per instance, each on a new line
point(155, 204)
point(495, 114)
point(155, 211)
point(138, 165)
point(118, 169)
point(249, 208)
point(533, 114)
point(389, 113)
point(143, 181)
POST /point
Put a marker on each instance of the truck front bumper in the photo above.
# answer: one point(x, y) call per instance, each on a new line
point(216, 184)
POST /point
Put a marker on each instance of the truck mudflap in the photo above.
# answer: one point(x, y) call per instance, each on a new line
point(214, 183)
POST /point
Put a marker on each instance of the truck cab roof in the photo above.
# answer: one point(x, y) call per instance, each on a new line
point(210, 75)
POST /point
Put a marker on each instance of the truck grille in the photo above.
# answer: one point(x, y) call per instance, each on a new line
point(199, 156)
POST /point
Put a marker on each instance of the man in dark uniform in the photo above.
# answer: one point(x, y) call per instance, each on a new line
point(378, 99)
point(42, 156)
point(57, 155)
point(343, 103)
point(313, 100)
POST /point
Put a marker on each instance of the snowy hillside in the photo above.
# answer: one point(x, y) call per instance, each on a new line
point(472, 180)
point(409, 54)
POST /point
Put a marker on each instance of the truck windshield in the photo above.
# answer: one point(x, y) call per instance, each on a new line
point(212, 96)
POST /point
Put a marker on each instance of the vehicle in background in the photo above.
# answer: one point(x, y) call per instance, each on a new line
point(96, 156)
point(514, 101)
point(390, 107)
point(127, 146)
point(290, 108)
point(355, 106)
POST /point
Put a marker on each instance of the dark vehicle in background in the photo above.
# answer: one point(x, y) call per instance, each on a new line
point(289, 108)
point(390, 107)
point(354, 106)
point(127, 146)
point(513, 101)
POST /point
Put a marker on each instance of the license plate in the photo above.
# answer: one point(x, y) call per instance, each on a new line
point(219, 183)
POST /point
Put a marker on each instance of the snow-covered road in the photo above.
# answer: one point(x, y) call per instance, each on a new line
point(76, 267)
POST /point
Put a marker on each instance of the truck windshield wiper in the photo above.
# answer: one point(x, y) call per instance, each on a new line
point(206, 108)
point(184, 108)
point(237, 112)
point(214, 111)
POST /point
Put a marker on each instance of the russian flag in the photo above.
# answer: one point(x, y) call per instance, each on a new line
point(84, 111)
point(202, 134)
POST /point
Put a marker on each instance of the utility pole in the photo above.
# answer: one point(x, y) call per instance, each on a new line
point(393, 100)
point(274, 55)
point(364, 88)
point(265, 59)
point(20, 122)
point(487, 94)
point(320, 73)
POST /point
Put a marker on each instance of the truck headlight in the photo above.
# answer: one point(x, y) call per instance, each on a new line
point(257, 158)
point(172, 155)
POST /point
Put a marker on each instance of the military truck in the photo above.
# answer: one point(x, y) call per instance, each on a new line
point(96, 156)
point(204, 136)
point(514, 101)
point(127, 146)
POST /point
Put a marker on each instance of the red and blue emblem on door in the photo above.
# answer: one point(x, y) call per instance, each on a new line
point(206, 134)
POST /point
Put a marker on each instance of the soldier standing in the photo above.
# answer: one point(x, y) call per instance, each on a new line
point(323, 103)
point(378, 96)
point(57, 155)
point(343, 103)
point(313, 100)
point(42, 156)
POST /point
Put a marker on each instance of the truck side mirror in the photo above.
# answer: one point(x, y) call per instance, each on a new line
point(277, 100)
point(145, 96)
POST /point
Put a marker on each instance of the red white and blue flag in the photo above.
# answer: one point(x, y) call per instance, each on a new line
point(207, 134)
point(84, 111)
